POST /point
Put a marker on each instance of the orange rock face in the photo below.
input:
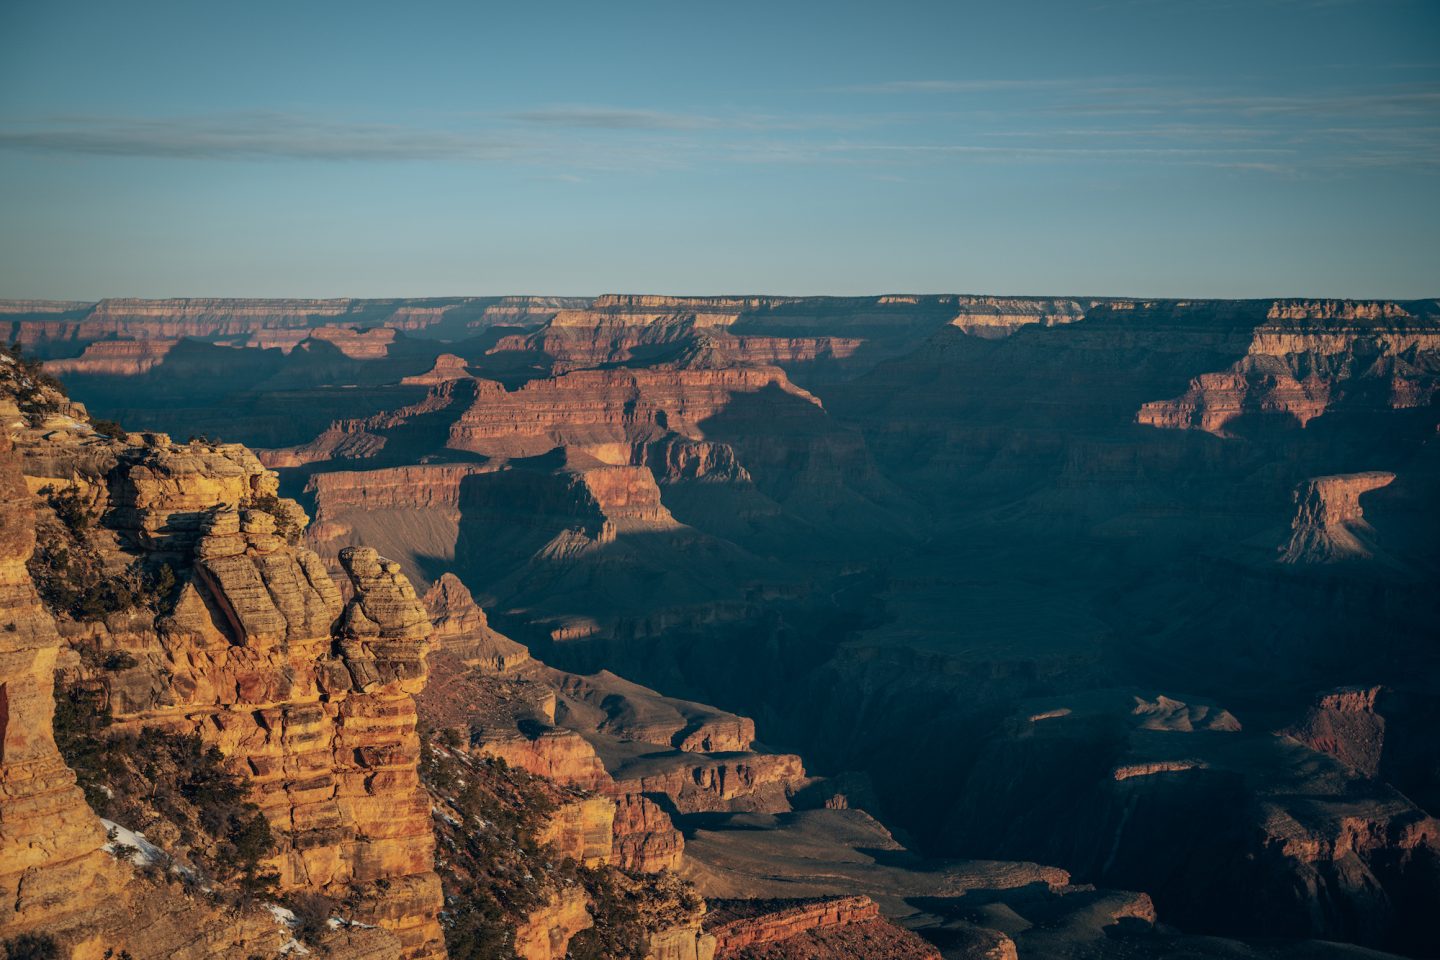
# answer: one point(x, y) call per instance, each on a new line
point(357, 344)
point(546, 935)
point(50, 859)
point(821, 929)
point(645, 838)
point(447, 367)
point(754, 781)
point(308, 698)
point(461, 627)
point(559, 755)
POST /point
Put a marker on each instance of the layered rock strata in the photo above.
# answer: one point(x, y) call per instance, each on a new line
point(1329, 524)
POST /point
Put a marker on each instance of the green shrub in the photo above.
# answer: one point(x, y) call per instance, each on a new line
point(285, 524)
point(493, 870)
point(137, 777)
point(72, 577)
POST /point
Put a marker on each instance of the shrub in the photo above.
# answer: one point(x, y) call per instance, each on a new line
point(80, 723)
point(312, 913)
point(285, 523)
point(70, 508)
point(71, 576)
point(31, 946)
point(109, 428)
point(493, 870)
point(157, 774)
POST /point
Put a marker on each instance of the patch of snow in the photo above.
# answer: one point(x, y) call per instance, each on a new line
point(293, 946)
point(283, 914)
point(146, 853)
point(335, 923)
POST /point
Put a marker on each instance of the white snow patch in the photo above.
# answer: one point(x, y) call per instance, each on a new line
point(146, 853)
point(283, 914)
point(293, 946)
point(335, 923)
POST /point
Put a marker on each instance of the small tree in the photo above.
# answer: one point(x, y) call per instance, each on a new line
point(109, 428)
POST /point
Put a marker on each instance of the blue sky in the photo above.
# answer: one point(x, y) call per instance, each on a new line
point(1124, 147)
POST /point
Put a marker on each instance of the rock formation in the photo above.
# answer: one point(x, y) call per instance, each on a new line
point(50, 857)
point(1310, 357)
point(845, 926)
point(874, 524)
point(1329, 525)
point(309, 700)
point(460, 627)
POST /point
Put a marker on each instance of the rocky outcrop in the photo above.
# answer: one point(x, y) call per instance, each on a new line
point(327, 742)
point(1307, 358)
point(460, 626)
point(309, 700)
point(819, 929)
point(605, 412)
point(559, 755)
point(1329, 525)
point(645, 838)
point(583, 830)
point(56, 877)
point(163, 494)
point(447, 367)
point(372, 344)
point(681, 460)
point(50, 857)
point(114, 358)
point(698, 783)
point(547, 932)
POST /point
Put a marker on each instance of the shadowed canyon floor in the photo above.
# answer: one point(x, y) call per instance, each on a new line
point(1069, 627)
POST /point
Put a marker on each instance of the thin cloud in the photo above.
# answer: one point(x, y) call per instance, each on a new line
point(1382, 126)
point(257, 136)
point(625, 119)
point(606, 118)
point(950, 86)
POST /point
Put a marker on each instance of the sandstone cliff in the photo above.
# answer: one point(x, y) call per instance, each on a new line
point(310, 702)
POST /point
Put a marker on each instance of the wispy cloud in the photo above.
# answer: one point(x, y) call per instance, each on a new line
point(250, 136)
point(951, 86)
point(607, 118)
point(1087, 120)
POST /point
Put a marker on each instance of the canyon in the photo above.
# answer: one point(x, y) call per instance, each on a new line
point(897, 626)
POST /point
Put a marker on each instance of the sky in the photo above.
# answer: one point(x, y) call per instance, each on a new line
point(1196, 148)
